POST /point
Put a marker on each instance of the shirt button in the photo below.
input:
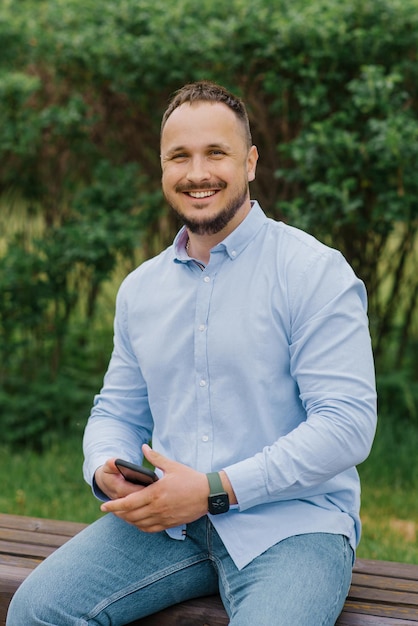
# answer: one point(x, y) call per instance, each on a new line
point(205, 438)
point(207, 279)
point(234, 253)
point(202, 383)
point(202, 327)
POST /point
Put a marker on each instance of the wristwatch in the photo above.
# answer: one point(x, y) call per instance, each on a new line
point(218, 501)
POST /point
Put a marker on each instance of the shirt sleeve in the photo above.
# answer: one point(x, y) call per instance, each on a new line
point(120, 420)
point(331, 361)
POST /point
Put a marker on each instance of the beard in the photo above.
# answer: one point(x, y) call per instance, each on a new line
point(214, 223)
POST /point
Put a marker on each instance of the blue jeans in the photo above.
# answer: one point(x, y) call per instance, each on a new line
point(112, 573)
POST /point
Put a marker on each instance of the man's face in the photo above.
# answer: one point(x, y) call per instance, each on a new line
point(206, 167)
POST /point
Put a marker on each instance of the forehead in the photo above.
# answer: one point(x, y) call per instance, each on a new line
point(201, 122)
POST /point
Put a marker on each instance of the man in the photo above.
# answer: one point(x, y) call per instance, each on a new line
point(243, 351)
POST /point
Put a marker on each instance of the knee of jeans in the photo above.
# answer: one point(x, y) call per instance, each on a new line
point(22, 609)
point(29, 604)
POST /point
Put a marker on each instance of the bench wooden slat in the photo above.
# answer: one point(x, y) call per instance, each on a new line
point(11, 560)
point(384, 582)
point(360, 619)
point(390, 569)
point(400, 598)
point(29, 537)
point(40, 525)
point(382, 593)
point(31, 549)
point(34, 537)
point(10, 577)
point(382, 610)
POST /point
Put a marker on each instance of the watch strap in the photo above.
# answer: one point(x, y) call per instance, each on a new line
point(215, 483)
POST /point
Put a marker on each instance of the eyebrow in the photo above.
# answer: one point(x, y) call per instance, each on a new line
point(174, 150)
point(223, 146)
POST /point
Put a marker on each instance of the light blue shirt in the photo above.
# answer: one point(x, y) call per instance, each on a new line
point(259, 364)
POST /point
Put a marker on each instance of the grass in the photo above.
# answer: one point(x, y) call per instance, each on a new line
point(389, 494)
point(51, 485)
point(48, 484)
point(390, 522)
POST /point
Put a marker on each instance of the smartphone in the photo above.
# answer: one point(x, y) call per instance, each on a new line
point(136, 473)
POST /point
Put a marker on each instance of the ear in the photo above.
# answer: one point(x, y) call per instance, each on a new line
point(252, 159)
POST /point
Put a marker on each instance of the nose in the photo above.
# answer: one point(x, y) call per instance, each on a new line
point(198, 169)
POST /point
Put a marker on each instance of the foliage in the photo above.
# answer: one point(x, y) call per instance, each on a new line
point(332, 94)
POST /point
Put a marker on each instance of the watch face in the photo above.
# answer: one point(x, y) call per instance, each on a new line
point(219, 504)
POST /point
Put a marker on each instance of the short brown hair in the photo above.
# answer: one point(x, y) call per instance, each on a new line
point(206, 91)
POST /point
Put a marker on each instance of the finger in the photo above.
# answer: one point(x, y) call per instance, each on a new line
point(118, 507)
point(112, 506)
point(143, 519)
point(139, 517)
point(155, 458)
point(126, 503)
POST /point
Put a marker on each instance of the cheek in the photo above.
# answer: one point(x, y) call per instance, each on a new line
point(172, 174)
point(167, 179)
point(166, 186)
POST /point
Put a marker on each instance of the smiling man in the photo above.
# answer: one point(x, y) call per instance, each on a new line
point(207, 162)
point(243, 352)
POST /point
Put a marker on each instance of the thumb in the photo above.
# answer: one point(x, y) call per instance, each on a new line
point(155, 458)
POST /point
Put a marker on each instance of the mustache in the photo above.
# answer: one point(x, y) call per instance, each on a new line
point(206, 186)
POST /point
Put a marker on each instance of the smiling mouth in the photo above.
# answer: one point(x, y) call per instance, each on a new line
point(204, 190)
point(201, 194)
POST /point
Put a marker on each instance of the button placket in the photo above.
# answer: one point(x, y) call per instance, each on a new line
point(204, 418)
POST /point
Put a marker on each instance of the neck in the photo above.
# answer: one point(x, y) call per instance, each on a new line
point(199, 246)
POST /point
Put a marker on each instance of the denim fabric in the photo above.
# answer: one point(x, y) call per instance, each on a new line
point(112, 573)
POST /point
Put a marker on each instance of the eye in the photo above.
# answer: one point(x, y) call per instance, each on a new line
point(179, 156)
point(217, 153)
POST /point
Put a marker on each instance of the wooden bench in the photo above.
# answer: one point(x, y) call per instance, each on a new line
point(382, 593)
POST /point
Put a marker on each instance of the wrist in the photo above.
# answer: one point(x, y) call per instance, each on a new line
point(226, 483)
point(221, 492)
point(218, 499)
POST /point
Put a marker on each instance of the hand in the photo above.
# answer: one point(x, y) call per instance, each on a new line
point(109, 479)
point(179, 497)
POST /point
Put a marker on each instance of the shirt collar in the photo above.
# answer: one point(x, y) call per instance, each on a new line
point(234, 244)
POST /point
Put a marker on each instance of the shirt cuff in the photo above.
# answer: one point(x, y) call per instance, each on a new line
point(100, 495)
point(248, 483)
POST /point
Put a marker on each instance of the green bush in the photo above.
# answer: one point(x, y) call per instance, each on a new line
point(331, 89)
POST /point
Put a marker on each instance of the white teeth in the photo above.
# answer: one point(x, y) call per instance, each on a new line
point(201, 194)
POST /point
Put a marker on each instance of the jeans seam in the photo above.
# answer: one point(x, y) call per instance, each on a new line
point(225, 584)
point(145, 582)
point(338, 595)
point(219, 567)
